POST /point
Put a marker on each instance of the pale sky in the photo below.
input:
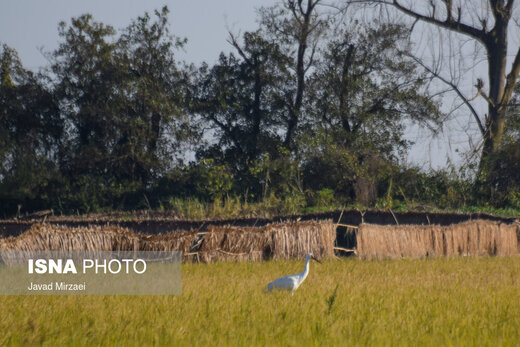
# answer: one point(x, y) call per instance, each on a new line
point(28, 25)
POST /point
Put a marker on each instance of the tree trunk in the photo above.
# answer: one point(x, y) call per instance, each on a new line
point(294, 112)
point(257, 117)
point(155, 133)
point(496, 47)
point(303, 36)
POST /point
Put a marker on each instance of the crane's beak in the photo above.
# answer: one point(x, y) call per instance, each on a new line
point(314, 258)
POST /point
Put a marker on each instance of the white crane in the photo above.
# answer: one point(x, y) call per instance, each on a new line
point(292, 282)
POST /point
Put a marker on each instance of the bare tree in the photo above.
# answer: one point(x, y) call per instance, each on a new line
point(489, 24)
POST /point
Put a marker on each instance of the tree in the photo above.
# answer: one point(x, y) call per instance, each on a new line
point(505, 176)
point(365, 83)
point(86, 86)
point(365, 87)
point(122, 99)
point(297, 26)
point(237, 97)
point(155, 87)
point(488, 24)
point(30, 134)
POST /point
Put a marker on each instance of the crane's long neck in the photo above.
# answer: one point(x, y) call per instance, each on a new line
point(306, 270)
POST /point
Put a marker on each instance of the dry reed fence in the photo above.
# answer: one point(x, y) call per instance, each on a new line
point(41, 237)
point(471, 238)
point(278, 240)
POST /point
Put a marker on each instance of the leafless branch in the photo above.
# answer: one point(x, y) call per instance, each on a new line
point(457, 91)
point(449, 23)
point(234, 42)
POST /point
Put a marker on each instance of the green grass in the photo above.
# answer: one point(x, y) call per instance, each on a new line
point(234, 207)
point(457, 301)
point(503, 212)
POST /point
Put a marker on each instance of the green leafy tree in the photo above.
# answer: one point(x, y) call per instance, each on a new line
point(86, 85)
point(30, 133)
point(363, 90)
point(298, 27)
point(156, 127)
point(122, 98)
point(504, 177)
point(237, 99)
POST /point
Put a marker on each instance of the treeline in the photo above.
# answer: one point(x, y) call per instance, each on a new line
point(307, 109)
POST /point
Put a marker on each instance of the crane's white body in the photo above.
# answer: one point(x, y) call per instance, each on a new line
point(291, 282)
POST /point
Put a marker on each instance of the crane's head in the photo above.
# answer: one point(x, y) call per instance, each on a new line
point(311, 256)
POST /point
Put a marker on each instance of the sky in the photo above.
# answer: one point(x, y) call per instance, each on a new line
point(27, 25)
point(31, 25)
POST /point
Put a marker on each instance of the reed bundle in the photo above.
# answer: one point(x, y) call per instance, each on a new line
point(41, 237)
point(277, 240)
point(472, 238)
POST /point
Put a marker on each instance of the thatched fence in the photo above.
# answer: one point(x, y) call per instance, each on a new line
point(277, 240)
point(471, 238)
point(254, 240)
point(154, 222)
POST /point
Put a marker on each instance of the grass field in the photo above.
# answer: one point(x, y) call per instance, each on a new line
point(450, 301)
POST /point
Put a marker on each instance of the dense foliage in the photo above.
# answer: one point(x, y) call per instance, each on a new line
point(302, 112)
